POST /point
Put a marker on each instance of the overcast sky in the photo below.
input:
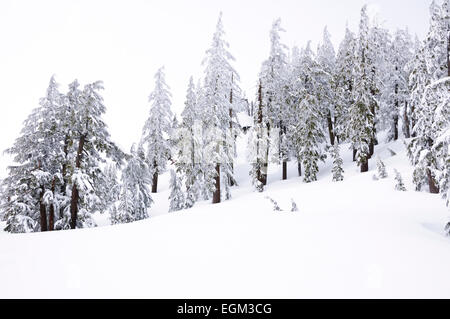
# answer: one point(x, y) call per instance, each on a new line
point(124, 42)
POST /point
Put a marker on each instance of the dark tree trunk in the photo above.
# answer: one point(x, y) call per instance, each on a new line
point(354, 155)
point(216, 194)
point(406, 129)
point(371, 148)
point(231, 179)
point(284, 170)
point(434, 188)
point(299, 168)
point(413, 122)
point(330, 127)
point(75, 194)
point(155, 182)
point(51, 216)
point(64, 172)
point(395, 128)
point(365, 166)
point(43, 211)
point(261, 177)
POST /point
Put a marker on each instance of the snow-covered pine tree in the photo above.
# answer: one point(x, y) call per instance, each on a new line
point(176, 197)
point(157, 128)
point(344, 79)
point(338, 171)
point(275, 94)
point(360, 117)
point(29, 191)
point(377, 61)
point(431, 87)
point(326, 90)
point(395, 95)
point(308, 136)
point(134, 198)
point(399, 186)
point(189, 147)
point(109, 187)
point(381, 169)
point(215, 108)
point(91, 144)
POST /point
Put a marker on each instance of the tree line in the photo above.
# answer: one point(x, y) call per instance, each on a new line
point(307, 104)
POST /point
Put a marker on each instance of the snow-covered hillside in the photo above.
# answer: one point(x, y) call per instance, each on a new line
point(358, 238)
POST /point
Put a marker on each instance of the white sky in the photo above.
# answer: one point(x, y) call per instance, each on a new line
point(124, 42)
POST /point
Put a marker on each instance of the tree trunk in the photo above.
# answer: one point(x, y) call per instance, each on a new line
point(434, 188)
point(75, 194)
point(371, 148)
point(284, 170)
point(413, 122)
point(51, 216)
point(64, 172)
point(406, 130)
point(299, 168)
point(155, 182)
point(261, 176)
point(216, 194)
point(330, 128)
point(365, 166)
point(43, 211)
point(354, 155)
point(395, 128)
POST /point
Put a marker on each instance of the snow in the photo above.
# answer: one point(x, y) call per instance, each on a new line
point(353, 239)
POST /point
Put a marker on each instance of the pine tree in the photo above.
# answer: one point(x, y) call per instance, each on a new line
point(29, 192)
point(215, 105)
point(275, 95)
point(326, 59)
point(134, 198)
point(361, 119)
point(91, 145)
point(176, 197)
point(400, 186)
point(338, 171)
point(308, 136)
point(381, 169)
point(157, 128)
point(395, 95)
point(189, 147)
point(344, 79)
point(430, 94)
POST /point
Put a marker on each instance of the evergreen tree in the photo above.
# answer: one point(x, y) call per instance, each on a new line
point(396, 91)
point(134, 198)
point(326, 90)
point(275, 95)
point(215, 104)
point(361, 119)
point(189, 161)
point(28, 196)
point(381, 169)
point(157, 128)
point(338, 171)
point(176, 197)
point(431, 89)
point(91, 144)
point(344, 79)
point(399, 186)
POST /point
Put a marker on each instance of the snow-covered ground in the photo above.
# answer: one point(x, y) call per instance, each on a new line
point(354, 239)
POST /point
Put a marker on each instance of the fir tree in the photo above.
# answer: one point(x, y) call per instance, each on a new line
point(400, 186)
point(134, 198)
point(338, 171)
point(381, 169)
point(157, 128)
point(176, 197)
point(215, 104)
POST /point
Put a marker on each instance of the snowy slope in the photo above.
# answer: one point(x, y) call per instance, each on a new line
point(355, 239)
